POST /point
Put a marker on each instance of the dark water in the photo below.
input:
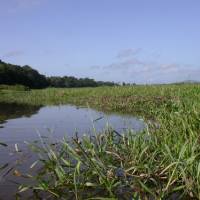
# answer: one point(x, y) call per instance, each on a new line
point(21, 123)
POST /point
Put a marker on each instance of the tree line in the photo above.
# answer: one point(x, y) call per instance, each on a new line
point(25, 75)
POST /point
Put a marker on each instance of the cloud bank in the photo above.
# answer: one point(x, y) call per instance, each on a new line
point(129, 67)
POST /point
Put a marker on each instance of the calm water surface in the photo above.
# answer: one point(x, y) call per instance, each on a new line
point(25, 123)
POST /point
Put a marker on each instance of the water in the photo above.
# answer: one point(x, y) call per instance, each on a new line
point(25, 123)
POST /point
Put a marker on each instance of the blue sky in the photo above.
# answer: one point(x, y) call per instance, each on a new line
point(142, 41)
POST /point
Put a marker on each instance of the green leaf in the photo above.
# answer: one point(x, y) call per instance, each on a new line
point(3, 144)
point(4, 166)
point(33, 165)
point(23, 188)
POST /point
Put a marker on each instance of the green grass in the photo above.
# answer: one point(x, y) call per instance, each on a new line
point(162, 161)
point(14, 87)
point(123, 99)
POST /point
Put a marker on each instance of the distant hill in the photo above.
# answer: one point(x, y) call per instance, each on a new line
point(25, 75)
point(187, 82)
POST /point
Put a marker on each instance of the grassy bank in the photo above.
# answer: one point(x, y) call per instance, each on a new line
point(160, 163)
point(141, 99)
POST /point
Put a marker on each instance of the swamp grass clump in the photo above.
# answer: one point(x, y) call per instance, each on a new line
point(162, 162)
point(114, 166)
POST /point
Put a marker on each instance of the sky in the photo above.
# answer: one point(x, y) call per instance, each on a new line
point(133, 41)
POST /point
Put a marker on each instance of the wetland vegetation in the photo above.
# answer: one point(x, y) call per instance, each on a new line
point(99, 100)
point(162, 162)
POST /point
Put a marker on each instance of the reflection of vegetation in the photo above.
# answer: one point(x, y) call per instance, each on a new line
point(13, 110)
point(161, 162)
point(128, 99)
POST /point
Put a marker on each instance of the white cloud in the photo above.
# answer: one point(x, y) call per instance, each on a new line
point(128, 53)
point(12, 53)
point(131, 68)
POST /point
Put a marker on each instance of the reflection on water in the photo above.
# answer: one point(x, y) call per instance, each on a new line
point(13, 111)
point(23, 123)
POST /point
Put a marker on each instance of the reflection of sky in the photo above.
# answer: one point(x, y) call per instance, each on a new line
point(64, 120)
point(61, 120)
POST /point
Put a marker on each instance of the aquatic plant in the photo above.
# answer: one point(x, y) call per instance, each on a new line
point(163, 162)
point(154, 164)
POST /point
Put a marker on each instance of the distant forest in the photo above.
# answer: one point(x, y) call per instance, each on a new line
point(25, 75)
